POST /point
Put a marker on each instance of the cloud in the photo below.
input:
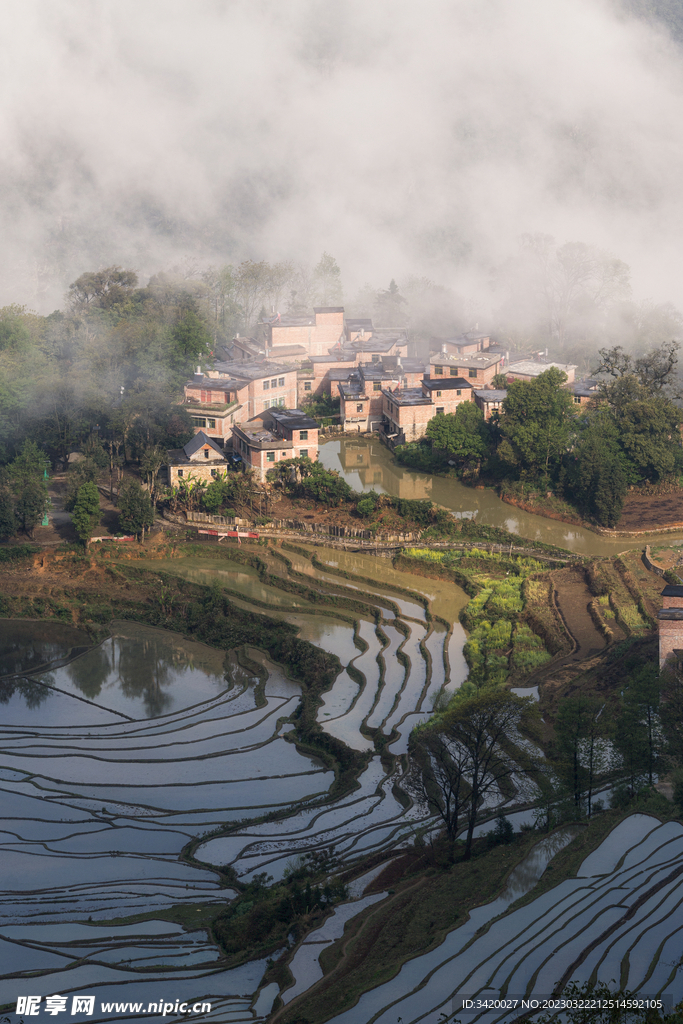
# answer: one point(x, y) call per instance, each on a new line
point(402, 137)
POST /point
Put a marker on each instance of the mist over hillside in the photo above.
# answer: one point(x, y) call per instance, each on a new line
point(404, 139)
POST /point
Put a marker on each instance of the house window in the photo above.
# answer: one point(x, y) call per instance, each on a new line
point(214, 472)
point(439, 410)
point(281, 382)
point(458, 392)
point(180, 472)
point(206, 453)
point(303, 435)
point(359, 408)
point(307, 385)
point(454, 371)
point(438, 394)
point(577, 400)
point(266, 385)
point(473, 371)
point(377, 387)
point(273, 383)
point(198, 421)
point(438, 370)
point(211, 424)
point(270, 456)
point(303, 453)
point(375, 357)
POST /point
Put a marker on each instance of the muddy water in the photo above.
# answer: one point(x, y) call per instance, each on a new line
point(367, 465)
point(447, 600)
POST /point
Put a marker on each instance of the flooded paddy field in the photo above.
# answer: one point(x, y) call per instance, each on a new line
point(118, 757)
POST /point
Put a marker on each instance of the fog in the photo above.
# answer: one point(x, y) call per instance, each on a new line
point(403, 138)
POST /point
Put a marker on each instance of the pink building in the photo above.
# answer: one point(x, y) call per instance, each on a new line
point(273, 436)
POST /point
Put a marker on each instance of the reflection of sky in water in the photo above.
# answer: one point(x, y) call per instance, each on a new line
point(142, 675)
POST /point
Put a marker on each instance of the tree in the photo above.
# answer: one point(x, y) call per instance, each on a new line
point(499, 381)
point(102, 288)
point(655, 371)
point(27, 479)
point(581, 730)
point(31, 504)
point(462, 434)
point(475, 731)
point(328, 281)
point(86, 511)
point(537, 423)
point(442, 765)
point(8, 520)
point(252, 281)
point(598, 480)
point(136, 511)
point(574, 283)
point(642, 698)
point(150, 464)
point(389, 307)
point(630, 741)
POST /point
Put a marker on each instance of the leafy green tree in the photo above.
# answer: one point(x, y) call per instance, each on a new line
point(650, 436)
point(86, 511)
point(191, 338)
point(102, 289)
point(31, 504)
point(26, 475)
point(462, 434)
point(599, 482)
point(8, 520)
point(136, 511)
point(499, 381)
point(30, 464)
point(537, 423)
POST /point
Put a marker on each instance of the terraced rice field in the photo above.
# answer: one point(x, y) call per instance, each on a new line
point(117, 758)
point(113, 760)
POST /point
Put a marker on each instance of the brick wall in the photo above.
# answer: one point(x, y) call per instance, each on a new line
point(670, 638)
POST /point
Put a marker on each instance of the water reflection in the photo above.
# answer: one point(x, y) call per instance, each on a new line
point(34, 693)
point(26, 645)
point(145, 673)
point(368, 465)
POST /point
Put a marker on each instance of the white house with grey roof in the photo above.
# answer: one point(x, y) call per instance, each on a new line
point(200, 459)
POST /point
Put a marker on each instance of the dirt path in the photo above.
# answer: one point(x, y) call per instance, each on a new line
point(573, 598)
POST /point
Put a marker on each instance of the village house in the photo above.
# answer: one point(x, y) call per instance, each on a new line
point(200, 459)
point(467, 344)
point(234, 392)
point(490, 400)
point(529, 369)
point(584, 391)
point(478, 369)
point(327, 333)
point(274, 435)
point(360, 391)
point(407, 411)
point(671, 624)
